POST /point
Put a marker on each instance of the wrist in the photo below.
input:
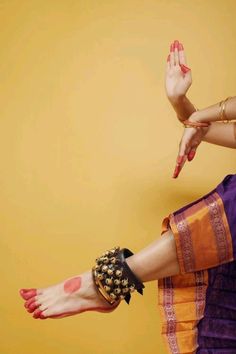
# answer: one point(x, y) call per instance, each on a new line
point(195, 117)
point(176, 100)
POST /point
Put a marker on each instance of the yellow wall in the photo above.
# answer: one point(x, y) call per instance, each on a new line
point(88, 144)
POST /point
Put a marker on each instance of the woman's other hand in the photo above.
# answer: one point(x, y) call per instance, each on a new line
point(178, 77)
point(189, 143)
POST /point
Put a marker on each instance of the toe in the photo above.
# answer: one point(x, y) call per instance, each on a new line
point(43, 307)
point(37, 313)
point(32, 307)
point(27, 294)
point(29, 302)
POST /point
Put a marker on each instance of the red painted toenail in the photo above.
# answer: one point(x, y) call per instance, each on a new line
point(37, 313)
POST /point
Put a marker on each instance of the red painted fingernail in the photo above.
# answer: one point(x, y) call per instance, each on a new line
point(176, 172)
point(168, 58)
point(191, 155)
point(176, 44)
point(172, 47)
point(184, 68)
point(181, 47)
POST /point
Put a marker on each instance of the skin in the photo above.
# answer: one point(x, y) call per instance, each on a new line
point(177, 84)
point(159, 259)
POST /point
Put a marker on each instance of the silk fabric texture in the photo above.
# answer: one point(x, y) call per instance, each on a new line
point(198, 306)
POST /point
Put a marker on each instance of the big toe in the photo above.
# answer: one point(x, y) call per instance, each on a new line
point(26, 294)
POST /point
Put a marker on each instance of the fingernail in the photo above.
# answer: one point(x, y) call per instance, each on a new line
point(184, 68)
point(176, 172)
point(176, 44)
point(172, 47)
point(168, 58)
point(191, 155)
point(181, 47)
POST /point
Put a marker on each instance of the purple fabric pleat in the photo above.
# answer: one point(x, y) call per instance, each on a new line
point(217, 329)
point(227, 191)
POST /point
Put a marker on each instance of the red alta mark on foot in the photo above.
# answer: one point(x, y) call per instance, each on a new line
point(72, 285)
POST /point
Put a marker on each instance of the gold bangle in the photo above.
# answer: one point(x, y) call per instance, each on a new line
point(223, 116)
point(188, 124)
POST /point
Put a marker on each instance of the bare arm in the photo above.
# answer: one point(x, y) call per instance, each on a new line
point(218, 133)
point(182, 106)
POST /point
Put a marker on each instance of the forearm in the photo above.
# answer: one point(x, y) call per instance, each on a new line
point(218, 133)
point(221, 134)
point(182, 106)
point(213, 113)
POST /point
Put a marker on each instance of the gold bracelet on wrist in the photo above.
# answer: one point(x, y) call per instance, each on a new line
point(222, 105)
point(188, 124)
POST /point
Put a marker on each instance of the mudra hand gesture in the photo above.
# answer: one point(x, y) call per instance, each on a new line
point(177, 82)
point(178, 75)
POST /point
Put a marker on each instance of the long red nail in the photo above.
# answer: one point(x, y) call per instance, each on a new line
point(176, 172)
point(181, 47)
point(184, 68)
point(191, 155)
point(172, 47)
point(176, 43)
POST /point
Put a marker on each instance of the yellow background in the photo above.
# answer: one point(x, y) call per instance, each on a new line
point(88, 143)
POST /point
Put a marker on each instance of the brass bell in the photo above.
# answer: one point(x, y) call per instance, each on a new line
point(100, 276)
point(105, 260)
point(118, 273)
point(117, 281)
point(97, 267)
point(110, 271)
point(107, 288)
point(112, 295)
point(125, 290)
point(104, 268)
point(131, 288)
point(108, 281)
point(124, 281)
point(113, 260)
point(117, 290)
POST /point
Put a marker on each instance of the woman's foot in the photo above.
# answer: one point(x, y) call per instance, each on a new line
point(71, 297)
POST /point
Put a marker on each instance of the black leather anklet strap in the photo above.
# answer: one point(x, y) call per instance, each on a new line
point(114, 278)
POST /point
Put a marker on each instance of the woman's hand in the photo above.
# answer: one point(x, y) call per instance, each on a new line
point(178, 75)
point(189, 143)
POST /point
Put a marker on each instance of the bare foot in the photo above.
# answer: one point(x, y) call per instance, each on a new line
point(71, 297)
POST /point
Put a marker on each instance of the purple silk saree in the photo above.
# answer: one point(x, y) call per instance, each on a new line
point(198, 306)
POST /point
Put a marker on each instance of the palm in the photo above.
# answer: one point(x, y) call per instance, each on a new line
point(178, 76)
point(177, 83)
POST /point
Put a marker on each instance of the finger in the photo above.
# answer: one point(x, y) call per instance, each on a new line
point(172, 60)
point(182, 57)
point(178, 167)
point(176, 52)
point(181, 159)
point(184, 68)
point(191, 155)
point(192, 152)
